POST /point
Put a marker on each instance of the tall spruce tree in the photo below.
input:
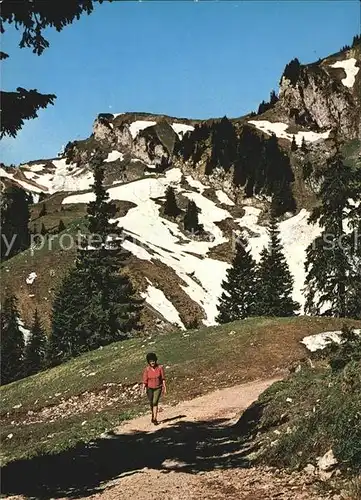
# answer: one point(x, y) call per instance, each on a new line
point(42, 210)
point(35, 349)
point(304, 145)
point(275, 282)
point(332, 271)
point(61, 226)
point(238, 301)
point(15, 215)
point(191, 221)
point(96, 302)
point(12, 342)
point(170, 206)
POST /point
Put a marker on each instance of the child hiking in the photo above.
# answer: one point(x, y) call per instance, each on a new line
point(154, 384)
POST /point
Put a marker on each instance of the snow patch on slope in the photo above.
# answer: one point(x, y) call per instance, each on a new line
point(350, 68)
point(321, 340)
point(195, 184)
point(159, 301)
point(223, 198)
point(279, 129)
point(25, 185)
point(114, 155)
point(139, 125)
point(181, 128)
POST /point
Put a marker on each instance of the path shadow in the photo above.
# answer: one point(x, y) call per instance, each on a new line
point(171, 419)
point(183, 446)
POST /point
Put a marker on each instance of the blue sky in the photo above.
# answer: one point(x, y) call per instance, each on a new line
point(188, 59)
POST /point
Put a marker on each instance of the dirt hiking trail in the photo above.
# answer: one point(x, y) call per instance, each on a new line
point(195, 453)
point(225, 404)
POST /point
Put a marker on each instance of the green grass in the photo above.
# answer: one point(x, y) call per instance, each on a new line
point(204, 360)
point(313, 411)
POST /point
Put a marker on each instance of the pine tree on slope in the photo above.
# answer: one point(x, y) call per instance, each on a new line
point(15, 215)
point(96, 303)
point(191, 221)
point(170, 206)
point(330, 280)
point(12, 342)
point(275, 282)
point(294, 146)
point(61, 226)
point(240, 286)
point(35, 349)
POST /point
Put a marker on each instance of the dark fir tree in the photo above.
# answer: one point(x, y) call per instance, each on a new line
point(292, 71)
point(273, 98)
point(275, 282)
point(191, 221)
point(96, 302)
point(12, 342)
point(307, 170)
point(61, 226)
point(42, 210)
point(238, 299)
point(170, 205)
point(331, 278)
point(294, 144)
point(43, 230)
point(31, 20)
point(303, 145)
point(35, 349)
point(15, 215)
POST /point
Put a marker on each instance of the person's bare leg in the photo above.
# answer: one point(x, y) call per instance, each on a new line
point(155, 413)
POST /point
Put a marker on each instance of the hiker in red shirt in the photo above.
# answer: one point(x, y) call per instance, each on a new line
point(154, 384)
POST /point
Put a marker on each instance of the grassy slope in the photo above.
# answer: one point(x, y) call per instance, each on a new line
point(324, 414)
point(203, 360)
point(300, 418)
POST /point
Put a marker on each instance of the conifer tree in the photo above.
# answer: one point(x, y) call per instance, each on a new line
point(12, 342)
point(238, 301)
point(191, 221)
point(170, 206)
point(96, 302)
point(35, 349)
point(273, 98)
point(43, 230)
point(331, 279)
point(303, 145)
point(294, 144)
point(275, 282)
point(61, 226)
point(42, 210)
point(15, 215)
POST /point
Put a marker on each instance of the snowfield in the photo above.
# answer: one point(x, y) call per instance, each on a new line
point(350, 68)
point(150, 237)
point(64, 177)
point(200, 275)
point(279, 129)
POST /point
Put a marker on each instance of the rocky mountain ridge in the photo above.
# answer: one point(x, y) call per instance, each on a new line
point(216, 163)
